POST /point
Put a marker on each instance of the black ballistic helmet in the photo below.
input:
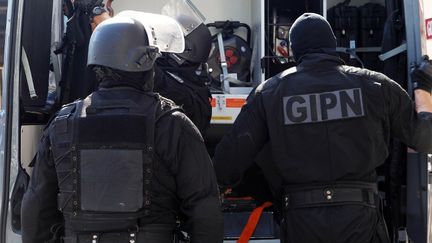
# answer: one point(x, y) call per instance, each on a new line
point(121, 43)
point(197, 45)
point(311, 33)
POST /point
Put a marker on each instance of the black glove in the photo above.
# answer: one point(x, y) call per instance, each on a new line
point(87, 5)
point(421, 75)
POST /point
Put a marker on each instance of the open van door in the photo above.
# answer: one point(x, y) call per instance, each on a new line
point(9, 14)
point(418, 23)
point(26, 84)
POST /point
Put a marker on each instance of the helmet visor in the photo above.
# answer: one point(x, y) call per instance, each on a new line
point(163, 32)
point(185, 12)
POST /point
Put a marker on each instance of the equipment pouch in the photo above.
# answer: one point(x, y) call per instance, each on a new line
point(20, 186)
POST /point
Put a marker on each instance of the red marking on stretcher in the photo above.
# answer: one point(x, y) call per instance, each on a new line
point(235, 102)
point(230, 102)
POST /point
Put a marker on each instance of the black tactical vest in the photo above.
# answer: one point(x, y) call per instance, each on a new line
point(104, 156)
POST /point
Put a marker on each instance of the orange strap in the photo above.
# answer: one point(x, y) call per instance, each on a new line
point(252, 223)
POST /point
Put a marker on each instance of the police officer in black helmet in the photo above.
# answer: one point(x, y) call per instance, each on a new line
point(124, 164)
point(183, 77)
point(328, 127)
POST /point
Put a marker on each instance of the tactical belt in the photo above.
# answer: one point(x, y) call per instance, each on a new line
point(341, 193)
point(157, 233)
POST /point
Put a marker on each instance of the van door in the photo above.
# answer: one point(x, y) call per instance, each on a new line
point(25, 102)
point(10, 12)
point(426, 31)
point(418, 23)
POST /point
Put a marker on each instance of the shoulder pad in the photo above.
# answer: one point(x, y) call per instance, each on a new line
point(167, 107)
point(68, 109)
point(167, 103)
point(65, 111)
point(275, 80)
point(287, 72)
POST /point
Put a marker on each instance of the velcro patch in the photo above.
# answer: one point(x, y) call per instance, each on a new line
point(321, 107)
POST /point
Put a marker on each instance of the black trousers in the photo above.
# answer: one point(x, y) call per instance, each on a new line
point(334, 224)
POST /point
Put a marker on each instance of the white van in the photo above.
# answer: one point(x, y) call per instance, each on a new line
point(32, 70)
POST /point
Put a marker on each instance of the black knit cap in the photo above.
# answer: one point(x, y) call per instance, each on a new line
point(311, 33)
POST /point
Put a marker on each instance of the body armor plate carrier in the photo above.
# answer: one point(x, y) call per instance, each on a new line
point(103, 153)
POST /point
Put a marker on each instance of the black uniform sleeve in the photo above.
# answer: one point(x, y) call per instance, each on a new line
point(196, 183)
point(39, 206)
point(237, 150)
point(197, 188)
point(414, 129)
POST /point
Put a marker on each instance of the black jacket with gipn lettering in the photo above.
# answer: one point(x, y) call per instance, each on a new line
point(323, 121)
